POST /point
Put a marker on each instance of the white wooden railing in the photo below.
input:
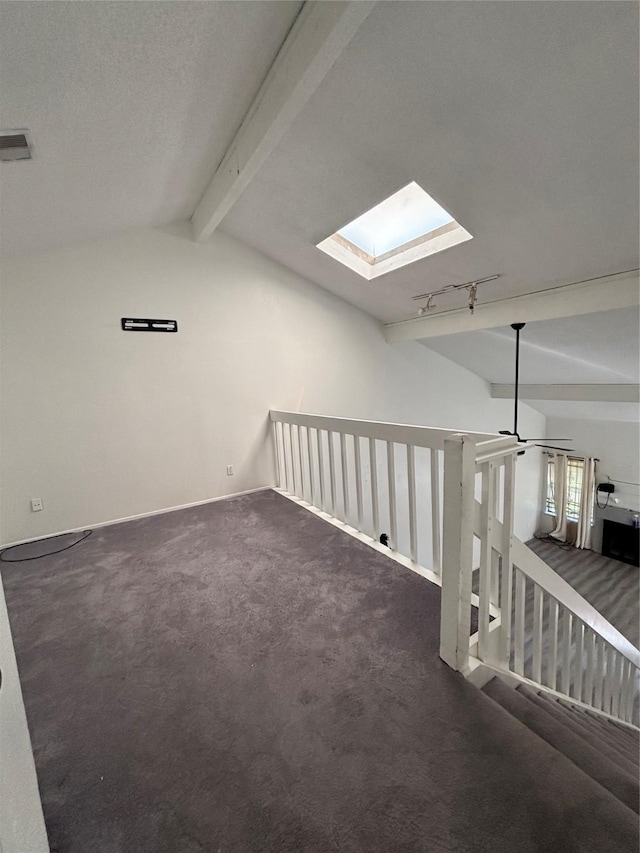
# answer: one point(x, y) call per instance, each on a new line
point(456, 528)
point(531, 623)
point(375, 478)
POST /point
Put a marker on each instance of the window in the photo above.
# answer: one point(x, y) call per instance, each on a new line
point(575, 470)
point(407, 226)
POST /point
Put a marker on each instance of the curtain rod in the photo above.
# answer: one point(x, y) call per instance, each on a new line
point(571, 455)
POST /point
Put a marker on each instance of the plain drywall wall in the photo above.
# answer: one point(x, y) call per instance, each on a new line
point(615, 443)
point(104, 424)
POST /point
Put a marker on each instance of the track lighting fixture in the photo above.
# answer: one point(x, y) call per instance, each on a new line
point(470, 286)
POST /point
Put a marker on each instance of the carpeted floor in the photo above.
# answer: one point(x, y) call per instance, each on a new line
point(610, 586)
point(242, 677)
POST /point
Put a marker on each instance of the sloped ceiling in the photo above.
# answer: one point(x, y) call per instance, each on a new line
point(520, 118)
point(591, 348)
point(130, 105)
point(600, 348)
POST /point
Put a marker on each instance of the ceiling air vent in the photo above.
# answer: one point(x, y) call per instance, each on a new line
point(14, 145)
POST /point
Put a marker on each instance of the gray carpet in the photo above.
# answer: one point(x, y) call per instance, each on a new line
point(611, 587)
point(244, 677)
point(606, 752)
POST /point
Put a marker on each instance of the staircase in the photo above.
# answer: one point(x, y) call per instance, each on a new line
point(560, 680)
point(606, 752)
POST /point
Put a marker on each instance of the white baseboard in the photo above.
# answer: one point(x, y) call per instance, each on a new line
point(363, 537)
point(134, 517)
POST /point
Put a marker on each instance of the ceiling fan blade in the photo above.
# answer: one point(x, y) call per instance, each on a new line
point(553, 447)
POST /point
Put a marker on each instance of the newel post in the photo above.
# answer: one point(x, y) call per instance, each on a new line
point(457, 550)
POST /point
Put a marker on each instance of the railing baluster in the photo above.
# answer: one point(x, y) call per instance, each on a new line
point(276, 444)
point(283, 458)
point(320, 468)
point(597, 690)
point(495, 557)
point(436, 558)
point(631, 692)
point(486, 553)
point(538, 602)
point(310, 457)
point(565, 674)
point(391, 475)
point(518, 657)
point(495, 578)
point(552, 671)
point(345, 479)
point(373, 472)
point(496, 488)
point(300, 460)
point(293, 465)
point(411, 484)
point(332, 473)
point(506, 586)
point(616, 681)
point(588, 681)
point(608, 680)
point(579, 667)
point(358, 463)
point(622, 712)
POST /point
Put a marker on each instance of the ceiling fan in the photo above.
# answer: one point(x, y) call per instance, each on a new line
point(517, 327)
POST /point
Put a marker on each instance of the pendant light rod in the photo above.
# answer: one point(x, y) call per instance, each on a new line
point(517, 327)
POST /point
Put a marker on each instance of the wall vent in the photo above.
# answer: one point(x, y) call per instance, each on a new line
point(14, 145)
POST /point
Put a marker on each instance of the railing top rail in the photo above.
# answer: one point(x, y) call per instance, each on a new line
point(535, 568)
point(498, 450)
point(418, 436)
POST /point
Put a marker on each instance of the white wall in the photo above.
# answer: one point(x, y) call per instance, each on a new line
point(615, 443)
point(104, 424)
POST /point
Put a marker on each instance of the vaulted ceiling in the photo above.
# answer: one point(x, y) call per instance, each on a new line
point(130, 106)
point(520, 118)
point(600, 349)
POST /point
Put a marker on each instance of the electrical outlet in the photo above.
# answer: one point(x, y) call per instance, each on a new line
point(36, 504)
point(229, 470)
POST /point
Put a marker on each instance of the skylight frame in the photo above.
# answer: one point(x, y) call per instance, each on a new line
point(369, 266)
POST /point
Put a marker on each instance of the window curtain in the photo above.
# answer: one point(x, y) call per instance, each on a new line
point(583, 537)
point(560, 496)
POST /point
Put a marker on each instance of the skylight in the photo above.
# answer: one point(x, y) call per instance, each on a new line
point(407, 226)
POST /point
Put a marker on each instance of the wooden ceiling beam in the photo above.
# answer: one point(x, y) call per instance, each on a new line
point(318, 36)
point(610, 393)
point(602, 294)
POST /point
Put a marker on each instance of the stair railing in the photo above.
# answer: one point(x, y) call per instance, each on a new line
point(530, 622)
point(442, 502)
point(381, 481)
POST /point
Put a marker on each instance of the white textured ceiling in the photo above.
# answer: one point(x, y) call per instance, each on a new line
point(130, 105)
point(590, 348)
point(520, 118)
point(574, 410)
point(600, 348)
